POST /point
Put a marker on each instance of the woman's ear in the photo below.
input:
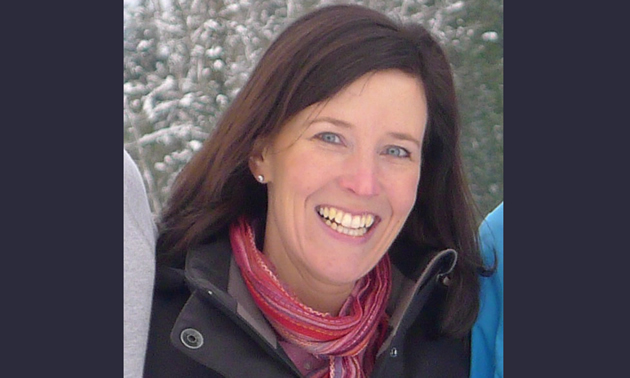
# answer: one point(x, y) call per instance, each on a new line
point(258, 163)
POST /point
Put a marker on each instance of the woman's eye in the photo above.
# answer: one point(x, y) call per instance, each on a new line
point(329, 138)
point(396, 152)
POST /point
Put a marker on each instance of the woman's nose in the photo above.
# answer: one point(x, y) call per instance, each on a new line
point(361, 176)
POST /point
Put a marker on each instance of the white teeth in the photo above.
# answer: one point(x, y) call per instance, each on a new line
point(331, 213)
point(338, 216)
point(345, 223)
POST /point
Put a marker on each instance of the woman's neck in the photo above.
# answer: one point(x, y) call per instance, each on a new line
point(320, 296)
point(323, 299)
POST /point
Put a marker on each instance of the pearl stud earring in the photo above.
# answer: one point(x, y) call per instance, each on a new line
point(260, 178)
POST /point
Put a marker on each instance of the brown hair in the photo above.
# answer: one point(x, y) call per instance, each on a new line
point(312, 60)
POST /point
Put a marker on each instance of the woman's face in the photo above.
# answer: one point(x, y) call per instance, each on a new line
point(342, 178)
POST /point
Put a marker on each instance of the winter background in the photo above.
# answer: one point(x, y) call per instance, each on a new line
point(185, 60)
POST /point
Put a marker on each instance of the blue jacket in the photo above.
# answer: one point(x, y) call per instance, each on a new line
point(487, 333)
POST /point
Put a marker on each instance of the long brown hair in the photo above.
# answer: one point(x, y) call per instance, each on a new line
point(312, 60)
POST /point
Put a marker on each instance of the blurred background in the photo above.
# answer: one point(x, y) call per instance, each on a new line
point(185, 60)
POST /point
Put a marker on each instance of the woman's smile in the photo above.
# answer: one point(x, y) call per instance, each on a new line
point(347, 223)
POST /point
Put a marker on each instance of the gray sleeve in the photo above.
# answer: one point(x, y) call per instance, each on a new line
point(140, 234)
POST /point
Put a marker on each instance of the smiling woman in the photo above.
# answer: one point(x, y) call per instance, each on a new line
point(325, 228)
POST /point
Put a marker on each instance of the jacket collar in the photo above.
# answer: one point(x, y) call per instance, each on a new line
point(221, 311)
point(212, 269)
point(406, 302)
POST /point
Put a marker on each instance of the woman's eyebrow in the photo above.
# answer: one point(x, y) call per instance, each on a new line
point(334, 121)
point(404, 136)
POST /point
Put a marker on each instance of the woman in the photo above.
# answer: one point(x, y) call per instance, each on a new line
point(325, 228)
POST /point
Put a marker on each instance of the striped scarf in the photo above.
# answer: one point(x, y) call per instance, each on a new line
point(349, 341)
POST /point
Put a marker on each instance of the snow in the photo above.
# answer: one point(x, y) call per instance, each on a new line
point(143, 45)
point(490, 36)
point(455, 7)
point(214, 52)
point(218, 65)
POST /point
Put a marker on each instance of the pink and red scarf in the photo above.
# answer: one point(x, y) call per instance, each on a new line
point(349, 340)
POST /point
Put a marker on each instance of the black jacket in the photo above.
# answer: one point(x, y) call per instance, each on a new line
point(204, 323)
